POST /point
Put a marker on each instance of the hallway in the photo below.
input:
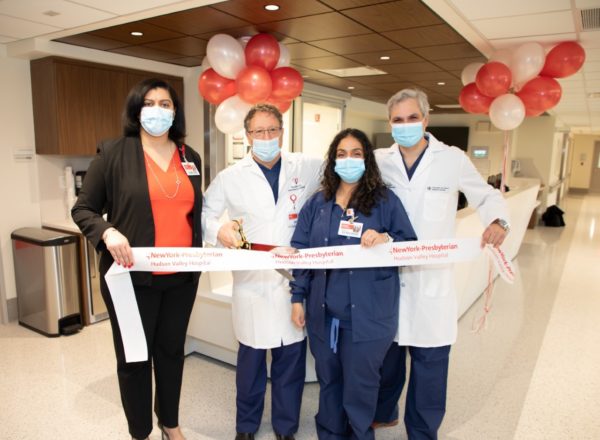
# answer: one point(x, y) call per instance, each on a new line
point(533, 374)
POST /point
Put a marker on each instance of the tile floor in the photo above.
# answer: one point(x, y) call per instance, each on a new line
point(533, 374)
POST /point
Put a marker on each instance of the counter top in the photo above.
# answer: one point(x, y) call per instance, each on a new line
point(64, 224)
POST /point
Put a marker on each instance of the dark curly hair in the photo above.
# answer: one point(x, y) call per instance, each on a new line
point(135, 102)
point(370, 187)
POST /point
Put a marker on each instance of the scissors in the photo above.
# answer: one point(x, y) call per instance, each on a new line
point(245, 244)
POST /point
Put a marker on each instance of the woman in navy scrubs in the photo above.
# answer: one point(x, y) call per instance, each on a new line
point(351, 314)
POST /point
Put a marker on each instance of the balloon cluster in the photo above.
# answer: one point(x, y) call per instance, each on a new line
point(240, 73)
point(518, 83)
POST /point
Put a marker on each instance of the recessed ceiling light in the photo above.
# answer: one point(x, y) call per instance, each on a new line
point(137, 33)
point(385, 57)
point(441, 83)
point(272, 7)
point(353, 71)
point(350, 87)
point(448, 106)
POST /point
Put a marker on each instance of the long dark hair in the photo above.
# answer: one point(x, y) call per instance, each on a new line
point(135, 102)
point(370, 187)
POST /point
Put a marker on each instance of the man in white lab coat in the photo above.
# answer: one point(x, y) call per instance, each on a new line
point(264, 193)
point(427, 176)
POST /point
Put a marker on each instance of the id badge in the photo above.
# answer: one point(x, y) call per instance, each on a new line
point(350, 229)
point(190, 168)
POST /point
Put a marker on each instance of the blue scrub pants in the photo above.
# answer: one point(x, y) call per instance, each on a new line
point(426, 396)
point(288, 369)
point(349, 384)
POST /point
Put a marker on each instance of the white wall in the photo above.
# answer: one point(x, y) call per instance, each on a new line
point(367, 116)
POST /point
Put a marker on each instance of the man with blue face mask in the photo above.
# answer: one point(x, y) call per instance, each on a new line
point(427, 176)
point(263, 193)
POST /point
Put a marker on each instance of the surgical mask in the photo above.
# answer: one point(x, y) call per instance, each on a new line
point(265, 149)
point(350, 169)
point(407, 135)
point(156, 120)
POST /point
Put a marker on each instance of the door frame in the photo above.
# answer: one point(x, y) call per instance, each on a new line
point(595, 182)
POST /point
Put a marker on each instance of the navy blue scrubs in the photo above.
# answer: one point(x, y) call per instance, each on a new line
point(351, 314)
point(288, 368)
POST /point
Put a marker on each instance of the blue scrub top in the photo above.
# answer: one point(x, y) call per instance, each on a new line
point(272, 176)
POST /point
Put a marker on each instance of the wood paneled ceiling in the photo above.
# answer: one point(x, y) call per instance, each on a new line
point(423, 50)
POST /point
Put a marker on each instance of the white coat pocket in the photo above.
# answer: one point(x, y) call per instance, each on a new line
point(435, 206)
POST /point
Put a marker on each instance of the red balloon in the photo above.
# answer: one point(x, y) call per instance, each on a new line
point(214, 88)
point(473, 101)
point(493, 79)
point(262, 50)
point(283, 106)
point(253, 84)
point(287, 83)
point(563, 60)
point(540, 94)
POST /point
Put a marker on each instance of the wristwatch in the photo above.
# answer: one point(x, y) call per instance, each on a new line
point(503, 224)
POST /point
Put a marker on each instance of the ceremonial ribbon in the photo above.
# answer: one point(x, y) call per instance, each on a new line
point(165, 259)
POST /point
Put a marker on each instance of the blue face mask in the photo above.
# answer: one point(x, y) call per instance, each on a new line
point(156, 120)
point(407, 135)
point(265, 149)
point(350, 169)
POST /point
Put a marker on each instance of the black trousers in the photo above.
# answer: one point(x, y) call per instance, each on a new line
point(165, 309)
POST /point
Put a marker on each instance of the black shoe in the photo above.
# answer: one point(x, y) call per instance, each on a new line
point(284, 437)
point(244, 436)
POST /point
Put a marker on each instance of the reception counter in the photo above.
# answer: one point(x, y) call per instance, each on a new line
point(210, 331)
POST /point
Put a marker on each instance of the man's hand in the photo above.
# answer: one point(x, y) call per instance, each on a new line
point(298, 315)
point(494, 234)
point(118, 246)
point(229, 234)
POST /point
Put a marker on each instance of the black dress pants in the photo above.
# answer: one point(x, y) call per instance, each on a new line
point(165, 309)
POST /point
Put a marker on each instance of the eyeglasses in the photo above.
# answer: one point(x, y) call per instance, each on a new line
point(262, 132)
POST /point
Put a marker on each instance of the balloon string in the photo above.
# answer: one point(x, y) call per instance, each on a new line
point(481, 323)
point(505, 160)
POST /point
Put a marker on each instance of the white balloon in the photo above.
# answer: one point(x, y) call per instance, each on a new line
point(507, 111)
point(470, 72)
point(284, 56)
point(230, 114)
point(244, 40)
point(527, 61)
point(503, 56)
point(225, 55)
point(205, 64)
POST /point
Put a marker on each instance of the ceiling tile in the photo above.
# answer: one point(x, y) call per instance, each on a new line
point(121, 7)
point(592, 85)
point(4, 39)
point(591, 66)
point(447, 51)
point(348, 4)
point(548, 41)
point(590, 39)
point(332, 62)
point(411, 68)
point(592, 54)
point(197, 21)
point(425, 36)
point(68, 14)
point(187, 46)
point(590, 75)
point(252, 12)
point(92, 41)
point(123, 33)
point(475, 9)
point(523, 25)
point(318, 27)
point(585, 4)
point(396, 57)
point(16, 28)
point(401, 14)
point(300, 51)
point(375, 80)
point(145, 52)
point(356, 44)
point(309, 73)
point(460, 63)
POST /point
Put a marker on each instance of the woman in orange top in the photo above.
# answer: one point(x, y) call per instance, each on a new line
point(150, 199)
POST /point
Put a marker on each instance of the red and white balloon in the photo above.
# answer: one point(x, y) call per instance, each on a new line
point(518, 83)
point(237, 74)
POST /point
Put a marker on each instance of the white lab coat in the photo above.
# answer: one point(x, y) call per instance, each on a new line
point(428, 303)
point(261, 305)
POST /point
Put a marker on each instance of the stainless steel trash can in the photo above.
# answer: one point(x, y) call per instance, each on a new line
point(46, 275)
